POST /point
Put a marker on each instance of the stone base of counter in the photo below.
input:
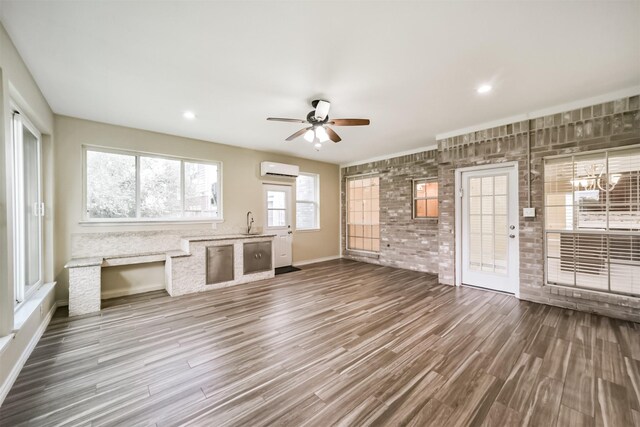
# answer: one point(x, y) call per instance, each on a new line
point(187, 274)
point(84, 289)
point(185, 267)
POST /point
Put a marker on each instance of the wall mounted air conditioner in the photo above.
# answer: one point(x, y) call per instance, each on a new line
point(279, 169)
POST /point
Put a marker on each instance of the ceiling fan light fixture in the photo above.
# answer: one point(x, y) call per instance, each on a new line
point(319, 131)
point(309, 135)
point(321, 134)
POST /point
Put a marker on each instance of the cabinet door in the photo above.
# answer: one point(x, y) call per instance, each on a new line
point(257, 257)
point(219, 264)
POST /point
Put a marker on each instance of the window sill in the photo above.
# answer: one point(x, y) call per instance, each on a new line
point(4, 342)
point(426, 219)
point(366, 254)
point(100, 223)
point(608, 295)
point(29, 306)
point(307, 230)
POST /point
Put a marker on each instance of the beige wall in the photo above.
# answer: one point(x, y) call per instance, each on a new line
point(242, 191)
point(17, 85)
point(131, 279)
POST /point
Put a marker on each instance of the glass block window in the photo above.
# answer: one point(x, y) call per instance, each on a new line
point(363, 214)
point(425, 198)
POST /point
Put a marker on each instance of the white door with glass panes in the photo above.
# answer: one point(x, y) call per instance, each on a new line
point(28, 207)
point(278, 221)
point(490, 228)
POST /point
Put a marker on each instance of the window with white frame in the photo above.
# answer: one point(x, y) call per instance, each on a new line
point(425, 198)
point(27, 207)
point(308, 201)
point(127, 186)
point(592, 220)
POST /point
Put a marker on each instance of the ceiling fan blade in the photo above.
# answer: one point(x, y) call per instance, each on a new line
point(349, 122)
point(333, 135)
point(279, 119)
point(297, 134)
point(322, 109)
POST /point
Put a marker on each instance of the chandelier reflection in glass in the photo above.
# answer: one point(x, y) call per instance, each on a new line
point(596, 179)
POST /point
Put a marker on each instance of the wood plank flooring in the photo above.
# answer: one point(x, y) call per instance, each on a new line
point(338, 343)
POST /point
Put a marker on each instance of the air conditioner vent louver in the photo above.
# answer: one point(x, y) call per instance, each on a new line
point(279, 169)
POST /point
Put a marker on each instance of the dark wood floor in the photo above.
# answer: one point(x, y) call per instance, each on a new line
point(336, 343)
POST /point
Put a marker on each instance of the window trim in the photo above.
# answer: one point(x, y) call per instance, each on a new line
point(86, 220)
point(287, 189)
point(414, 198)
point(607, 233)
point(315, 203)
point(16, 201)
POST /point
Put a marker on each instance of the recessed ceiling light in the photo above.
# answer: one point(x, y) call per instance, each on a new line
point(189, 115)
point(484, 88)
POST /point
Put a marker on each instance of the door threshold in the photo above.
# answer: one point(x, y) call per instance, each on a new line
point(480, 288)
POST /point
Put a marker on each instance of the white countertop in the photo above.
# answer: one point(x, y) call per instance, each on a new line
point(226, 237)
point(130, 258)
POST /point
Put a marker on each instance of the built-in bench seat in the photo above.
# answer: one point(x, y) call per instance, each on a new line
point(116, 260)
point(85, 276)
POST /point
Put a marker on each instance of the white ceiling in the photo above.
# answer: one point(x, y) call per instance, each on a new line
point(411, 67)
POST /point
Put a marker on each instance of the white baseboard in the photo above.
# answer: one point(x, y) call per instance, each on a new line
point(313, 261)
point(15, 371)
point(116, 293)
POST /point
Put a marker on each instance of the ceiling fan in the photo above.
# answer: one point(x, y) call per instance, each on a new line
point(319, 121)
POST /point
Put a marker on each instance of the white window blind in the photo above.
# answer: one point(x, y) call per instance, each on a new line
point(308, 201)
point(592, 220)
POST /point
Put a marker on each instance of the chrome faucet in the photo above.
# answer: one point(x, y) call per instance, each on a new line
point(249, 222)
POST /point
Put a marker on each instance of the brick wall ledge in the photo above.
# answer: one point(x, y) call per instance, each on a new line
point(594, 295)
point(358, 254)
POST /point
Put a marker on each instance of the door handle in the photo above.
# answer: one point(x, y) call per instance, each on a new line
point(289, 232)
point(513, 236)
